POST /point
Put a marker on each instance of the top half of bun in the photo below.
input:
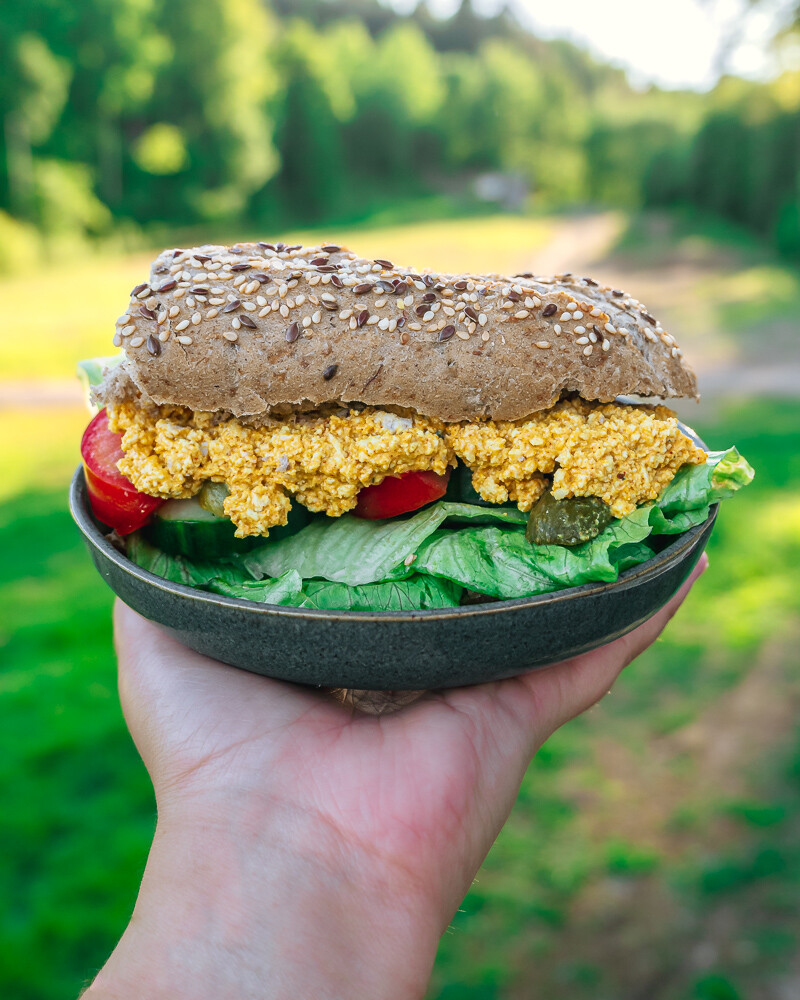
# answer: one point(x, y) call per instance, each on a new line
point(257, 328)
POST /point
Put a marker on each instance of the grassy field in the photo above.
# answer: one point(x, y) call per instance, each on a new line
point(654, 849)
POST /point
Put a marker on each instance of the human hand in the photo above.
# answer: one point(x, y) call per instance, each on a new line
point(306, 852)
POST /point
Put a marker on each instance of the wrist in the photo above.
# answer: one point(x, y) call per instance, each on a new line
point(253, 899)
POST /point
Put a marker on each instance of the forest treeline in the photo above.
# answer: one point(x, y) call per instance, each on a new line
point(119, 115)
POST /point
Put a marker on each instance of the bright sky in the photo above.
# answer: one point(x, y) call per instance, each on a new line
point(676, 43)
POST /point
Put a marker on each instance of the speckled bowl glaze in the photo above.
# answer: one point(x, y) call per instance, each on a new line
point(403, 650)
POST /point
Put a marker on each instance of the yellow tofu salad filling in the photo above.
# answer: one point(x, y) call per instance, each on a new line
point(623, 454)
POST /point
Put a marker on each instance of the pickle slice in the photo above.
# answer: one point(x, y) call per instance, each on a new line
point(212, 497)
point(567, 522)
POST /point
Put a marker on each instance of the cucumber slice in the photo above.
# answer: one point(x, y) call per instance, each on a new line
point(185, 528)
point(461, 490)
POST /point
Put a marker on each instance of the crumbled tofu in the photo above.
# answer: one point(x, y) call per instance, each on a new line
point(322, 461)
point(624, 454)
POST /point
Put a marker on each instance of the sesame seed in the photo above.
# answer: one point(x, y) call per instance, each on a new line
point(372, 321)
point(164, 335)
point(484, 337)
point(196, 317)
point(582, 340)
point(182, 325)
point(284, 310)
point(126, 331)
point(161, 318)
point(416, 327)
point(462, 334)
point(609, 328)
point(565, 317)
point(606, 345)
point(577, 315)
point(136, 341)
point(580, 329)
point(428, 316)
point(236, 323)
point(557, 329)
point(216, 302)
point(522, 314)
point(230, 335)
point(409, 559)
point(588, 350)
point(542, 344)
point(116, 340)
point(483, 319)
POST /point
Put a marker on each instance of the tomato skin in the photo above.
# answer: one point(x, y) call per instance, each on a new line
point(114, 499)
point(400, 494)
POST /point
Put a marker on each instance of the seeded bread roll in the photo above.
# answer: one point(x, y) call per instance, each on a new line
point(257, 327)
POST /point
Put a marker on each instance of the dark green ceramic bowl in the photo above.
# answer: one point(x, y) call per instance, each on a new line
point(395, 650)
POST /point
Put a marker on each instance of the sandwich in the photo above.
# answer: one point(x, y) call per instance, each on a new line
point(303, 426)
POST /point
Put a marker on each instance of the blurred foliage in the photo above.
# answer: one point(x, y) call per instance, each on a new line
point(135, 114)
point(161, 113)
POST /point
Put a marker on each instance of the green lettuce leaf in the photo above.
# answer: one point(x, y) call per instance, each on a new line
point(355, 551)
point(179, 569)
point(90, 373)
point(505, 564)
point(286, 589)
point(90, 370)
point(397, 595)
point(696, 487)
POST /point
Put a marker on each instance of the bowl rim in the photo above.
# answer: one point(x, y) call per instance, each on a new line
point(658, 564)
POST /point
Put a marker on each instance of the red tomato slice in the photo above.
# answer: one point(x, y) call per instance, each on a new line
point(114, 499)
point(400, 494)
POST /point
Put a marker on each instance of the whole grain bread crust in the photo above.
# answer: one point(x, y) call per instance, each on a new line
point(256, 328)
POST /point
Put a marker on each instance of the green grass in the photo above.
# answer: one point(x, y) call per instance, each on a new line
point(666, 819)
